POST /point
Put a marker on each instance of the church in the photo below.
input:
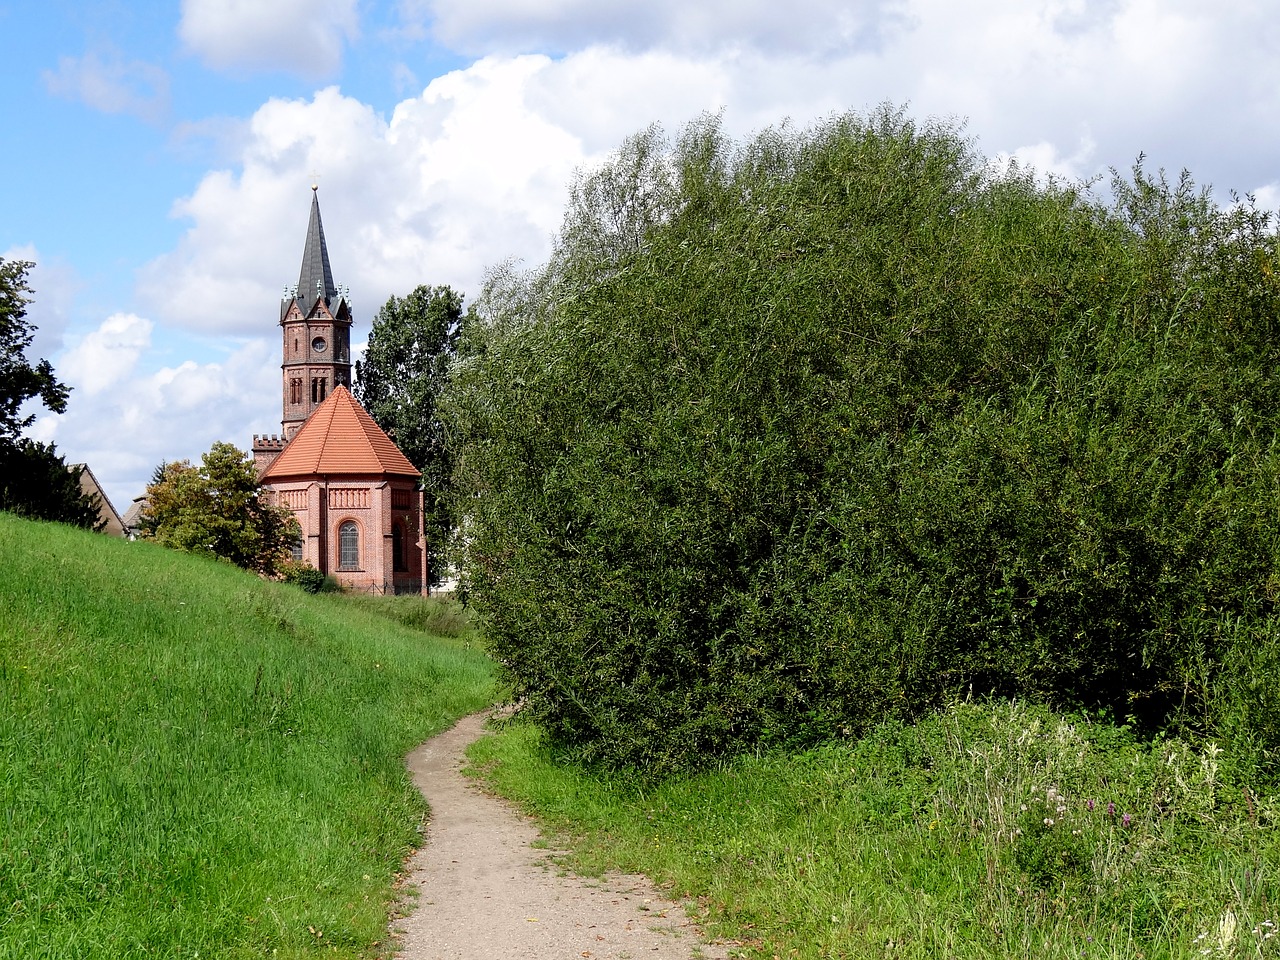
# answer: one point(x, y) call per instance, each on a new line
point(355, 494)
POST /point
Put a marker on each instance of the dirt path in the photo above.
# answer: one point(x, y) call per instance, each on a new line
point(486, 894)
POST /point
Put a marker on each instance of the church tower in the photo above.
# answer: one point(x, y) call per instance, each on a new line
point(315, 320)
point(315, 326)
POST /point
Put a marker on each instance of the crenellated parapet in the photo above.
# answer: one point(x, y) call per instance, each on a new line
point(266, 449)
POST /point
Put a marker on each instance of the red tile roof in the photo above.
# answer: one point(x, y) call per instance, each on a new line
point(340, 437)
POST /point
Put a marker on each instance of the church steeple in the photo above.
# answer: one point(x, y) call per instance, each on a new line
point(315, 281)
point(315, 318)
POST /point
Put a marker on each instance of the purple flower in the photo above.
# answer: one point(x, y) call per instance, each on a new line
point(1111, 809)
point(1125, 820)
point(1089, 804)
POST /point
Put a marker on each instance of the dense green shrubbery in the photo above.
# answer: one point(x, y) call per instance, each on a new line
point(303, 575)
point(792, 435)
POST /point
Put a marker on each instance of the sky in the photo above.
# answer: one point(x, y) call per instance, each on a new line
point(158, 157)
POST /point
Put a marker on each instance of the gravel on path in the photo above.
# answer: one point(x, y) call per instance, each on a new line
point(485, 892)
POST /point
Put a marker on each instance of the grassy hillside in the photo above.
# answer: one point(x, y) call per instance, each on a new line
point(194, 762)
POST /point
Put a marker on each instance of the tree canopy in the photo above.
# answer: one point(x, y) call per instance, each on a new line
point(219, 509)
point(796, 434)
point(34, 480)
point(21, 380)
point(405, 369)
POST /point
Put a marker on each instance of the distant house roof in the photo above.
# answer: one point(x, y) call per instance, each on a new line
point(132, 518)
point(89, 486)
point(340, 438)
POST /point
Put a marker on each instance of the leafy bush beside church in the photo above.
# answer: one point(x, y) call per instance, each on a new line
point(796, 434)
point(219, 509)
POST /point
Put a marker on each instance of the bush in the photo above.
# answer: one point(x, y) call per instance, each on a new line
point(305, 576)
point(879, 424)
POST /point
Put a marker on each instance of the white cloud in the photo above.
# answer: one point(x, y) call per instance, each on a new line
point(107, 82)
point(106, 356)
point(459, 178)
point(1046, 160)
point(1267, 198)
point(305, 37)
point(172, 413)
point(53, 286)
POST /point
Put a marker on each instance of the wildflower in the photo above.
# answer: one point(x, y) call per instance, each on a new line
point(1048, 821)
point(1089, 805)
point(1111, 809)
point(1125, 820)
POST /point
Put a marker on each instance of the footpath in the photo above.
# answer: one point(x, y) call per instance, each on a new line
point(484, 892)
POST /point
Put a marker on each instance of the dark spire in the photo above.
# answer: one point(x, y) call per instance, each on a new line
point(315, 282)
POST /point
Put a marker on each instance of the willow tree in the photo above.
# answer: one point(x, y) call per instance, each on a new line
point(796, 434)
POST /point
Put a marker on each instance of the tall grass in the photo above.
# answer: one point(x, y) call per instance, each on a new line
point(195, 762)
point(444, 617)
point(984, 831)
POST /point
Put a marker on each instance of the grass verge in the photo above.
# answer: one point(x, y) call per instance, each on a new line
point(195, 762)
point(984, 831)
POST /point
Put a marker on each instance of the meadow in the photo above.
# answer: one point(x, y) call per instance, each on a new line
point(996, 830)
point(194, 762)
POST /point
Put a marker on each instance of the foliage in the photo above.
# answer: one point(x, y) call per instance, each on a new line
point(197, 761)
point(36, 483)
point(304, 575)
point(34, 480)
point(405, 369)
point(982, 831)
point(219, 509)
point(20, 381)
point(794, 435)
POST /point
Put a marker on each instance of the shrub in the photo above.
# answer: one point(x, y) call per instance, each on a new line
point(305, 576)
point(799, 434)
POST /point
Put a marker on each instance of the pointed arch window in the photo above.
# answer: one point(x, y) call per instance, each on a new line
point(349, 546)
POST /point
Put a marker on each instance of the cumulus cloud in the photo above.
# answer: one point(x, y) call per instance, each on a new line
point(124, 428)
point(305, 37)
point(473, 169)
point(107, 355)
point(107, 82)
point(462, 176)
point(53, 286)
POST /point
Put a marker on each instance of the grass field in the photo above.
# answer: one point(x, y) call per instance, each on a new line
point(986, 831)
point(195, 762)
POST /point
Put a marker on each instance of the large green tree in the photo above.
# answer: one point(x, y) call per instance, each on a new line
point(406, 367)
point(20, 379)
point(794, 434)
point(34, 480)
point(219, 509)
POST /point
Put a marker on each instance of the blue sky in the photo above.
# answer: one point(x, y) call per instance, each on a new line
point(158, 157)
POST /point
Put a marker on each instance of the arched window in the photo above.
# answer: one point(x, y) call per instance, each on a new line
point(349, 546)
point(397, 549)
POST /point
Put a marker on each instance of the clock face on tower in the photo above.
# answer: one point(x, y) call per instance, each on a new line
point(318, 344)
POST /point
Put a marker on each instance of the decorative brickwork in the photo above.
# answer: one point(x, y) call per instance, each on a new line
point(348, 499)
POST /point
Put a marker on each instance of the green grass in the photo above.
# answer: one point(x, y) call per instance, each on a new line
point(442, 617)
point(195, 762)
point(985, 831)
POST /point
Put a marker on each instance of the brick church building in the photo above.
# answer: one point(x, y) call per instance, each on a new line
point(354, 493)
